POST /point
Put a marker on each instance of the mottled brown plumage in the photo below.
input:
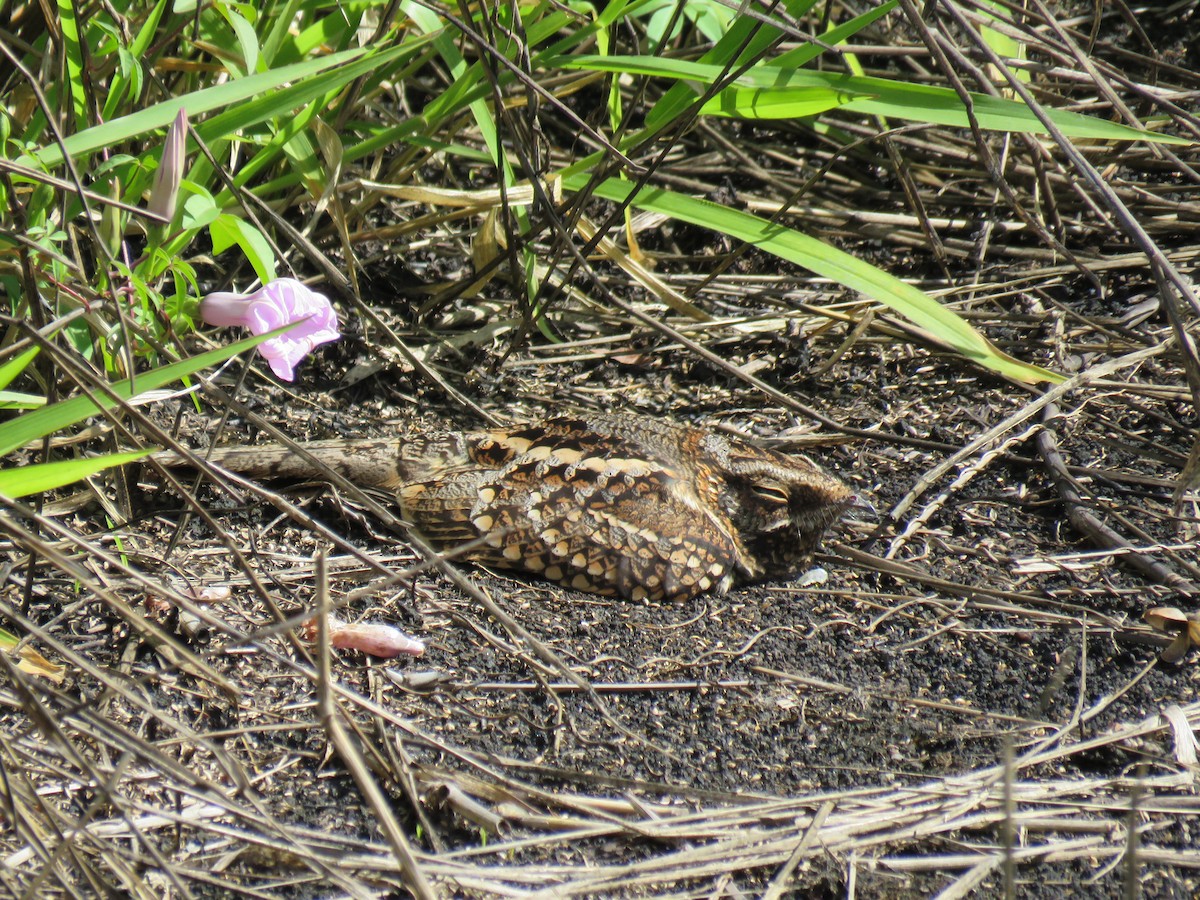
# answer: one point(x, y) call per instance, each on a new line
point(612, 504)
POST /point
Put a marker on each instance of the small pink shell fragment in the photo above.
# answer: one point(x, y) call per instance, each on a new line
point(373, 638)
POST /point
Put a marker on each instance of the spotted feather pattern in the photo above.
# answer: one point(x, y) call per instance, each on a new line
point(614, 505)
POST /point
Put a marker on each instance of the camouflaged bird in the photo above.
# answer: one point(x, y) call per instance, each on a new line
point(610, 504)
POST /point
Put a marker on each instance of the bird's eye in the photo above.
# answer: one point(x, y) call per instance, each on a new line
point(771, 493)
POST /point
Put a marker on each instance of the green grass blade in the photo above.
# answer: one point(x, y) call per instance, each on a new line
point(465, 79)
point(17, 400)
point(263, 85)
point(16, 366)
point(679, 96)
point(69, 27)
point(335, 30)
point(764, 103)
point(25, 480)
point(137, 49)
point(280, 31)
point(786, 243)
point(839, 34)
point(283, 104)
point(882, 97)
point(1001, 43)
point(50, 419)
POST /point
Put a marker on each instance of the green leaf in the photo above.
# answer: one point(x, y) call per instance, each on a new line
point(199, 209)
point(25, 480)
point(246, 38)
point(941, 322)
point(227, 230)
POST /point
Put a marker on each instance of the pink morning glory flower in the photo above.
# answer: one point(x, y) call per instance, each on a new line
point(279, 303)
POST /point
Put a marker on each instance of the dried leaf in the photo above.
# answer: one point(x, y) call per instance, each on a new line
point(1170, 620)
point(31, 662)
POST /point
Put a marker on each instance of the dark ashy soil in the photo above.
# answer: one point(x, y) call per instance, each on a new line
point(878, 680)
point(969, 702)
